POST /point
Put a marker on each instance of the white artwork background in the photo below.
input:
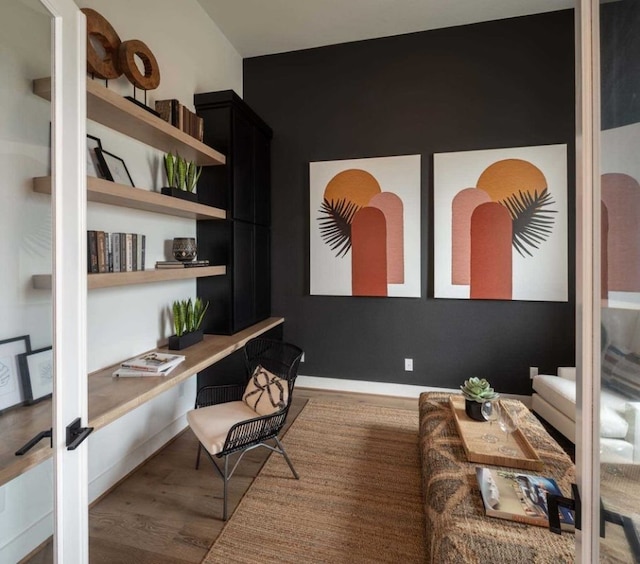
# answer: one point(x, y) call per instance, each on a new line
point(331, 275)
point(543, 277)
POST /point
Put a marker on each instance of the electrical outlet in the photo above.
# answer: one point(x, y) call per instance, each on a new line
point(533, 371)
point(302, 358)
point(408, 364)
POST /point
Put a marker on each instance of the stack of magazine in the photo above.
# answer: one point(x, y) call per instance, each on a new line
point(149, 364)
point(181, 264)
point(520, 497)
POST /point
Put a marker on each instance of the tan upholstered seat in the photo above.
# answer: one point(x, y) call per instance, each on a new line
point(211, 424)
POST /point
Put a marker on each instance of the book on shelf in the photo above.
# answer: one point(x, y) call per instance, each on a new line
point(134, 251)
point(115, 245)
point(133, 373)
point(142, 243)
point(153, 362)
point(181, 264)
point(115, 252)
point(178, 115)
point(520, 497)
point(92, 251)
point(128, 252)
point(102, 253)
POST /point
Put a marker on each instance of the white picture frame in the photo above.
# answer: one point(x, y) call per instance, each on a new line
point(10, 386)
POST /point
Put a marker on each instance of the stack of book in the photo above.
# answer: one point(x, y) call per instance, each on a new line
point(181, 117)
point(149, 364)
point(115, 252)
point(181, 264)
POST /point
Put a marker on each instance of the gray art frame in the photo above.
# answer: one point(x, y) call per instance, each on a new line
point(36, 372)
point(11, 393)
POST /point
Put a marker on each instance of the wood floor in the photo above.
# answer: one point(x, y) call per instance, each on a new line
point(167, 512)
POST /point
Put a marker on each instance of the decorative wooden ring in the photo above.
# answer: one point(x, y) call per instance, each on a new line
point(126, 58)
point(101, 30)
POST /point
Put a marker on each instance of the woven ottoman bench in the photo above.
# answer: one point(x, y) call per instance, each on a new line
point(457, 528)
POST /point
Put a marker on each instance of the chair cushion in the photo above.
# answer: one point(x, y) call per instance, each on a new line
point(266, 393)
point(211, 424)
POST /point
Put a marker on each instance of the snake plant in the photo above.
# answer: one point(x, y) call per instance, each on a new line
point(188, 315)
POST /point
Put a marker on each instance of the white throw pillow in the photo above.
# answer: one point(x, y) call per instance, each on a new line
point(266, 393)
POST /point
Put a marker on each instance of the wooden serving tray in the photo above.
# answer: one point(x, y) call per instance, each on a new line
point(478, 450)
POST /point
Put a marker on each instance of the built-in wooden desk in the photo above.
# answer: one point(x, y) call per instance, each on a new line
point(111, 398)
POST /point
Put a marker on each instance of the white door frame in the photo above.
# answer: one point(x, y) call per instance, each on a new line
point(588, 301)
point(71, 529)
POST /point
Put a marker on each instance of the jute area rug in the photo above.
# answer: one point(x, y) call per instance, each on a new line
point(358, 498)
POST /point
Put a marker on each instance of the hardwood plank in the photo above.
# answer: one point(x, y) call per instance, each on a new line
point(111, 398)
point(109, 108)
point(107, 192)
point(111, 279)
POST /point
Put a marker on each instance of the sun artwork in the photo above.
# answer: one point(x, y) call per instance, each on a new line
point(354, 185)
point(508, 177)
point(509, 209)
point(364, 222)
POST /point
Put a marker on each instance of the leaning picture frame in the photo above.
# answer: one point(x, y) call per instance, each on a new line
point(114, 168)
point(10, 386)
point(93, 164)
point(36, 373)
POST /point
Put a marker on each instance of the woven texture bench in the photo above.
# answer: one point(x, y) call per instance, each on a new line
point(458, 531)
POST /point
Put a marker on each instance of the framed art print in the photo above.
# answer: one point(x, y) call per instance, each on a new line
point(114, 168)
point(10, 387)
point(365, 227)
point(500, 224)
point(93, 164)
point(36, 372)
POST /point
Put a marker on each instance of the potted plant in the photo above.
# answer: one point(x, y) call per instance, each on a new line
point(182, 177)
point(187, 319)
point(476, 391)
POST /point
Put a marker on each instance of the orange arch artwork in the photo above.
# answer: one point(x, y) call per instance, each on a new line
point(500, 224)
point(365, 227)
point(620, 233)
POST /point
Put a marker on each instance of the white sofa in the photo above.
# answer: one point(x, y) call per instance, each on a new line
point(554, 397)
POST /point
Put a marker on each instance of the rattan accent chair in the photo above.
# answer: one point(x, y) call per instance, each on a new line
point(225, 424)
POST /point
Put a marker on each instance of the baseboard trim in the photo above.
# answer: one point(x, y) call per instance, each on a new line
point(380, 388)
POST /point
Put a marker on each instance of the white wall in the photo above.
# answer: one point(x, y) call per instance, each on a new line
point(193, 56)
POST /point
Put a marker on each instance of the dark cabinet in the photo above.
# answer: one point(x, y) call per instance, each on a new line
point(242, 187)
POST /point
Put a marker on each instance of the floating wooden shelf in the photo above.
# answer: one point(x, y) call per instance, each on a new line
point(107, 192)
point(110, 279)
point(110, 398)
point(109, 108)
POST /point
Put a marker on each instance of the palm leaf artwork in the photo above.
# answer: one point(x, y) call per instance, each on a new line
point(335, 226)
point(532, 223)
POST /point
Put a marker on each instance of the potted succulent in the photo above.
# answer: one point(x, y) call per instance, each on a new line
point(182, 177)
point(187, 319)
point(476, 391)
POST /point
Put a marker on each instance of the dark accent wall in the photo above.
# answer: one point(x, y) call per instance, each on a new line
point(500, 84)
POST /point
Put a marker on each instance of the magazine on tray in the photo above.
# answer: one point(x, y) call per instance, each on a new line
point(520, 497)
point(153, 362)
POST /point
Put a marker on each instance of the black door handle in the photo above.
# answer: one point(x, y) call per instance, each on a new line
point(76, 434)
point(33, 442)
